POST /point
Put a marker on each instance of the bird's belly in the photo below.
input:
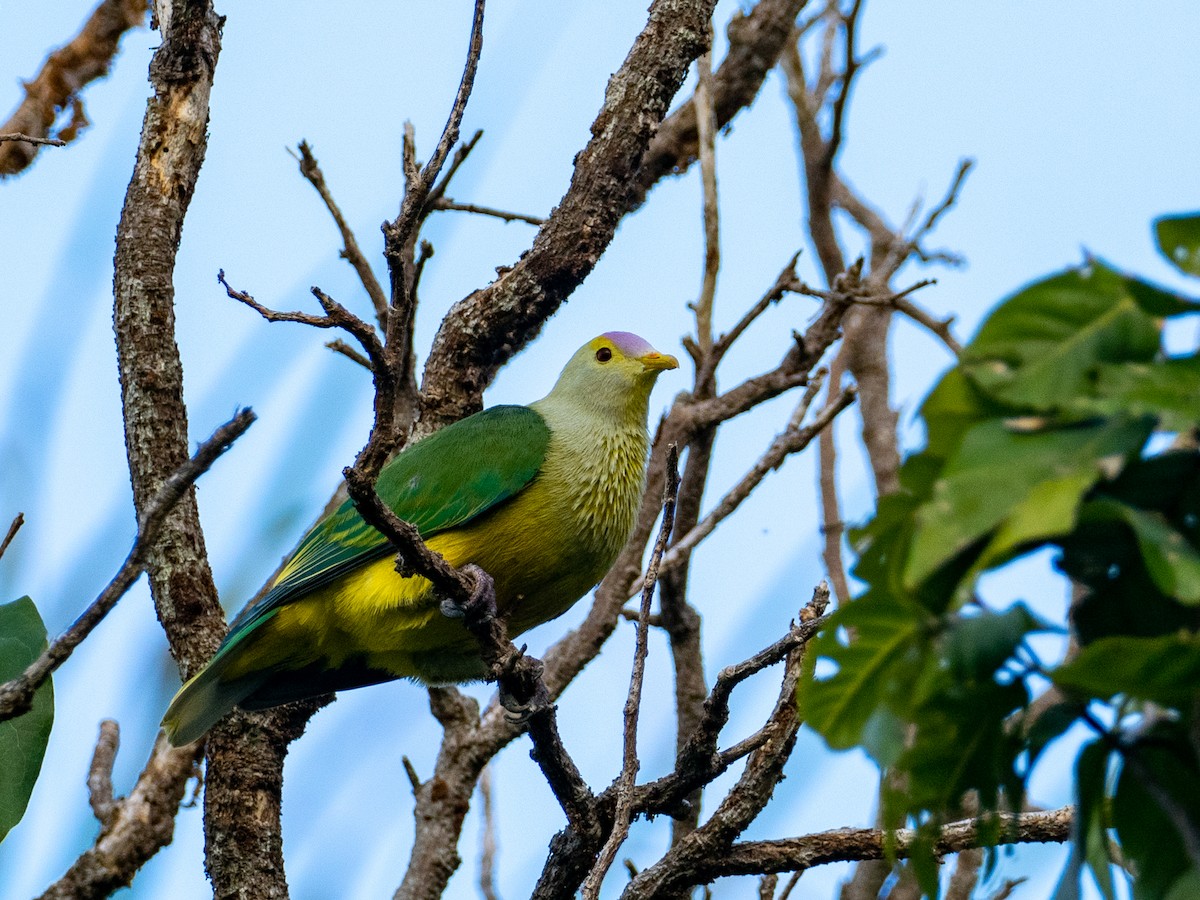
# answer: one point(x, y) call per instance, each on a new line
point(540, 568)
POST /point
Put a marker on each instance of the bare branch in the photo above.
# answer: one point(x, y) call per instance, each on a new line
point(850, 844)
point(337, 345)
point(482, 331)
point(417, 190)
point(460, 156)
point(487, 856)
point(135, 828)
point(755, 42)
point(27, 139)
point(785, 282)
point(17, 695)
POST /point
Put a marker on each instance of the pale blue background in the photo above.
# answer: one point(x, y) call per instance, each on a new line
point(1082, 116)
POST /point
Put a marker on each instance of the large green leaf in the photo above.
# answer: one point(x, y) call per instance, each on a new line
point(882, 657)
point(1163, 669)
point(1178, 240)
point(1156, 800)
point(1091, 831)
point(1168, 389)
point(1173, 563)
point(974, 647)
point(23, 739)
point(1038, 350)
point(994, 472)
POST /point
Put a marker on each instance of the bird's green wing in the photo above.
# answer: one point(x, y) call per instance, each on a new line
point(447, 479)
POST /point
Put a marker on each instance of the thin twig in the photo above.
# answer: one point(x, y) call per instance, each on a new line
point(852, 844)
point(17, 695)
point(30, 139)
point(417, 192)
point(699, 762)
point(17, 522)
point(706, 131)
point(336, 316)
point(460, 156)
point(58, 86)
point(630, 764)
point(337, 345)
point(351, 252)
point(445, 203)
point(783, 283)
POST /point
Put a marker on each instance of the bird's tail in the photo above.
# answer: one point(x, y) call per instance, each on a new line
point(203, 701)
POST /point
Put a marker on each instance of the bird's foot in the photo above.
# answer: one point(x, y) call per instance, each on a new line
point(518, 711)
point(481, 607)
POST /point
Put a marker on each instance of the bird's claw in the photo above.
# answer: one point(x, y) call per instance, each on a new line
point(519, 712)
point(482, 604)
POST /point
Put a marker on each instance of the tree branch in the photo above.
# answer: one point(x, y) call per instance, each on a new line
point(351, 252)
point(484, 330)
point(851, 844)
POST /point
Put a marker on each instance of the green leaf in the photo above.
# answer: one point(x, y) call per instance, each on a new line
point(950, 410)
point(1039, 348)
point(1186, 887)
point(23, 739)
point(1163, 669)
point(1173, 563)
point(1168, 389)
point(1048, 724)
point(1050, 509)
point(962, 744)
point(995, 470)
point(1161, 766)
point(1091, 791)
point(974, 647)
point(882, 657)
point(1178, 240)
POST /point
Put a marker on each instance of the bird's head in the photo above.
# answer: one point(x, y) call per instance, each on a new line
point(614, 372)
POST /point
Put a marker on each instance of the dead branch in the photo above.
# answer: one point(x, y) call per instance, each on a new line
point(57, 86)
point(755, 42)
point(791, 440)
point(743, 803)
point(351, 252)
point(336, 316)
point(27, 139)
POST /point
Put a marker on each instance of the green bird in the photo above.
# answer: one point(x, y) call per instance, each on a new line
point(541, 497)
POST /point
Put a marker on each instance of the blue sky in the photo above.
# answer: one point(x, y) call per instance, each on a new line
point(1082, 117)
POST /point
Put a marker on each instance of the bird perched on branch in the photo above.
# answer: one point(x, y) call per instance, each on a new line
point(541, 497)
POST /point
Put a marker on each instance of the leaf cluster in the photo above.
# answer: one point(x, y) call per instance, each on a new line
point(1065, 424)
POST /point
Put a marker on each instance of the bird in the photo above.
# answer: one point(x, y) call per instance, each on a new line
point(541, 497)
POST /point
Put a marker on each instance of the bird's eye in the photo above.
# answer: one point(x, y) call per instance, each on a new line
point(603, 354)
